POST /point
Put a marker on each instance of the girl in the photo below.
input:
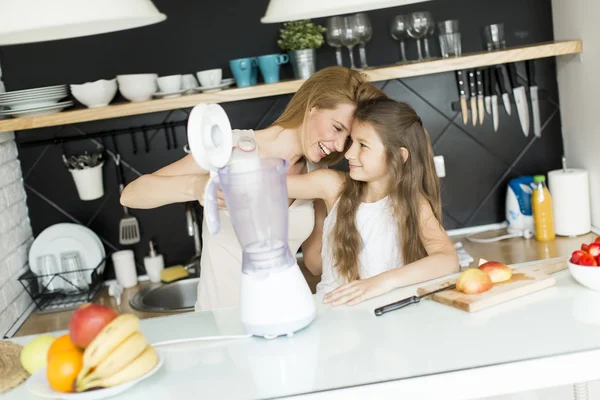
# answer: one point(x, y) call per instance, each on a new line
point(385, 213)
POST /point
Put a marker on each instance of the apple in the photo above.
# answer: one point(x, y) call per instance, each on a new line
point(576, 256)
point(87, 321)
point(34, 355)
point(594, 250)
point(473, 281)
point(587, 260)
point(497, 271)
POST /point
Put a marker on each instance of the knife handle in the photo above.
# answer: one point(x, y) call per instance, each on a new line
point(461, 82)
point(479, 80)
point(397, 305)
point(500, 79)
point(487, 87)
point(512, 74)
point(530, 72)
point(472, 87)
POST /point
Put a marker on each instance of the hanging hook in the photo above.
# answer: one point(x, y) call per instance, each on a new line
point(146, 141)
point(133, 141)
point(167, 137)
point(173, 134)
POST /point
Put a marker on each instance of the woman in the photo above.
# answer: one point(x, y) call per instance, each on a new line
point(312, 132)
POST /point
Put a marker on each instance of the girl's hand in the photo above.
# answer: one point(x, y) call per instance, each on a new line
point(358, 291)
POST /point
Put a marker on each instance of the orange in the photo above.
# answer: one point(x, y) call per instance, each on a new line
point(63, 369)
point(60, 344)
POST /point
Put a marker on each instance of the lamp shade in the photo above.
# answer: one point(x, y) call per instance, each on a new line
point(28, 21)
point(292, 10)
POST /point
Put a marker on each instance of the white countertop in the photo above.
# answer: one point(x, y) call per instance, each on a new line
point(349, 346)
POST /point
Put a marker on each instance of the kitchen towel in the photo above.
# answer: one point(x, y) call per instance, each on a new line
point(570, 193)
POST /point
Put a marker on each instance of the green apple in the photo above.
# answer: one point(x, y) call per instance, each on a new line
point(34, 354)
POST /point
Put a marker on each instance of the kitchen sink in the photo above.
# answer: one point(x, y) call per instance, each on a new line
point(165, 297)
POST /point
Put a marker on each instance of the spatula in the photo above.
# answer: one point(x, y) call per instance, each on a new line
point(129, 228)
point(408, 301)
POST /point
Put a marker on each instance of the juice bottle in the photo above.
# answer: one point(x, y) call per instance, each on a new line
point(541, 203)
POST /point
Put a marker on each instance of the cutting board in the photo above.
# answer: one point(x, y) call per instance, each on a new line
point(525, 280)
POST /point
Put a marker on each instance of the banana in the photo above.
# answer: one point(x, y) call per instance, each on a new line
point(125, 353)
point(111, 336)
point(138, 367)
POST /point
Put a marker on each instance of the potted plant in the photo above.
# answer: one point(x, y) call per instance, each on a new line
point(300, 39)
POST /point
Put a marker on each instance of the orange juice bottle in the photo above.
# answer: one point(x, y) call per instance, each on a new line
point(541, 203)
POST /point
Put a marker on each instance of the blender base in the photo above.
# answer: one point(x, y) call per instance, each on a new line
point(280, 304)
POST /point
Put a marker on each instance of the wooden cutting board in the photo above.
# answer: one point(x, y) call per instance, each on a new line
point(525, 280)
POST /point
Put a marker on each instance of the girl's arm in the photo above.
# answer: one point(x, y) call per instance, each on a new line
point(322, 184)
point(178, 182)
point(441, 260)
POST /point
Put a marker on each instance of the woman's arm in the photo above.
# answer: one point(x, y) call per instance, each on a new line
point(441, 260)
point(324, 184)
point(178, 182)
point(311, 248)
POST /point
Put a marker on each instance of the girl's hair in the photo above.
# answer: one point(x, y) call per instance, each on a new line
point(411, 183)
point(326, 89)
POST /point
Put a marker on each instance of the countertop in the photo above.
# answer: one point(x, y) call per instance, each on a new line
point(510, 251)
point(349, 348)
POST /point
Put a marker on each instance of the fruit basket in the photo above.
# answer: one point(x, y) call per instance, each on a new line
point(63, 290)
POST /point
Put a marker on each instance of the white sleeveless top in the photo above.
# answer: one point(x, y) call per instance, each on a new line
point(221, 259)
point(381, 248)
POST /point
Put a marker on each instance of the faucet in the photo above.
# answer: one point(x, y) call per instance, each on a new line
point(193, 230)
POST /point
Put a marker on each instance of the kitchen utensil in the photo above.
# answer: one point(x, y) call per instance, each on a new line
point(449, 36)
point(502, 86)
point(365, 32)
point(461, 81)
point(334, 36)
point(418, 28)
point(47, 268)
point(525, 280)
point(398, 30)
point(408, 301)
point(533, 91)
point(72, 268)
point(480, 109)
point(520, 98)
point(494, 97)
point(487, 91)
point(430, 32)
point(494, 37)
point(473, 96)
point(129, 229)
point(350, 36)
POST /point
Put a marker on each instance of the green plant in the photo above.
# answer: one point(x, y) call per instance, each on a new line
point(300, 35)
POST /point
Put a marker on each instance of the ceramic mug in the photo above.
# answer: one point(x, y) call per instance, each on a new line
point(245, 71)
point(269, 66)
point(210, 77)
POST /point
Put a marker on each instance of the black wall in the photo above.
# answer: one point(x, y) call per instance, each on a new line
point(202, 35)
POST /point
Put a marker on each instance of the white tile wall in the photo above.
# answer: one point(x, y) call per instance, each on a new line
point(15, 235)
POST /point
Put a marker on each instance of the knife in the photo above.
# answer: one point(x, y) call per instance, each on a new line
point(494, 99)
point(473, 95)
point(461, 82)
point(535, 105)
point(408, 301)
point(479, 80)
point(487, 90)
point(500, 80)
point(520, 98)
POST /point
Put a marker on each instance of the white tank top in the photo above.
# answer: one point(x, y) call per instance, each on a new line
point(221, 259)
point(381, 248)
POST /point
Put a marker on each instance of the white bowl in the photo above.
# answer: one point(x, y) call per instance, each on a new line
point(137, 87)
point(169, 84)
point(587, 276)
point(95, 94)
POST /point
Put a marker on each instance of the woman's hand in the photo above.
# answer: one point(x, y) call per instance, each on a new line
point(199, 190)
point(358, 291)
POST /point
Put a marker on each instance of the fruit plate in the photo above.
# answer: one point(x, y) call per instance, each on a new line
point(38, 385)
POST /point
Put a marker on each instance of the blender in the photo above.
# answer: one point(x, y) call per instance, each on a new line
point(275, 298)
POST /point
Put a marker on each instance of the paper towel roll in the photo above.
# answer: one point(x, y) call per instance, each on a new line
point(570, 191)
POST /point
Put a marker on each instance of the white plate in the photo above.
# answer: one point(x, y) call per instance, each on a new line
point(38, 385)
point(227, 81)
point(11, 99)
point(35, 111)
point(213, 88)
point(20, 105)
point(168, 95)
point(32, 91)
point(65, 237)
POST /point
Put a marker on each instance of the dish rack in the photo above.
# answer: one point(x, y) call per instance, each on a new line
point(70, 296)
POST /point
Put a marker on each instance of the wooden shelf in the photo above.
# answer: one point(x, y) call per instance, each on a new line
point(434, 66)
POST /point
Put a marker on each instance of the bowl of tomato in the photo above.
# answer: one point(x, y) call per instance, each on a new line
point(584, 265)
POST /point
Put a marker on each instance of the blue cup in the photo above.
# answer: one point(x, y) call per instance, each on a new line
point(269, 66)
point(245, 71)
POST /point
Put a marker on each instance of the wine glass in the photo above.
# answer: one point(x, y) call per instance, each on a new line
point(418, 28)
point(398, 30)
point(350, 36)
point(335, 26)
point(364, 32)
point(430, 32)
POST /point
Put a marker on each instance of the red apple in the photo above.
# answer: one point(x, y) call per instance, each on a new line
point(588, 261)
point(87, 321)
point(585, 247)
point(473, 281)
point(497, 271)
point(576, 256)
point(594, 250)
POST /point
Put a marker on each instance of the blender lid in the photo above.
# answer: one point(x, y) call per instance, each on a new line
point(209, 136)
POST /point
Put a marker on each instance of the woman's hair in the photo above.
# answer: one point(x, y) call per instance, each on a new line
point(326, 89)
point(411, 182)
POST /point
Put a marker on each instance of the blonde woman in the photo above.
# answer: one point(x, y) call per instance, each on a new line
point(312, 132)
